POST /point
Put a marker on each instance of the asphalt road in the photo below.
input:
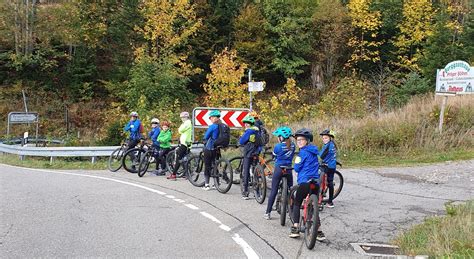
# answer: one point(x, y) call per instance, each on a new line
point(48, 213)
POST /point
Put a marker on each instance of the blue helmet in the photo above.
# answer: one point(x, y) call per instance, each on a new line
point(283, 132)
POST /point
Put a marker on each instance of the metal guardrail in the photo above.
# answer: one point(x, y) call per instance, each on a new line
point(58, 151)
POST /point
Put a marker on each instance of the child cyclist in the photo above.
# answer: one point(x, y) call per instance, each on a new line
point(248, 141)
point(328, 155)
point(283, 152)
point(164, 140)
point(210, 152)
point(306, 167)
point(153, 136)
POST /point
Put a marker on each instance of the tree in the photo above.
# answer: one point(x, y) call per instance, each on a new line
point(366, 25)
point(290, 34)
point(224, 87)
point(251, 40)
point(415, 28)
point(332, 33)
point(381, 79)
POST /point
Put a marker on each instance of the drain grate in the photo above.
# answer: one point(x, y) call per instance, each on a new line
point(375, 249)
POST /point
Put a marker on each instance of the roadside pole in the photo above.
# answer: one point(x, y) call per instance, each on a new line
point(250, 80)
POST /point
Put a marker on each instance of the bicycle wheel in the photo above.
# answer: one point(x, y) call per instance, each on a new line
point(312, 222)
point(195, 171)
point(115, 159)
point(259, 184)
point(223, 175)
point(338, 184)
point(236, 164)
point(145, 163)
point(131, 159)
point(283, 201)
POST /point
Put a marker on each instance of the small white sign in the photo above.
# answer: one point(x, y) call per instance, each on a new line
point(23, 117)
point(256, 86)
point(457, 77)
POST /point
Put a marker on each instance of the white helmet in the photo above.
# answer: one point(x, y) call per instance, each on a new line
point(133, 114)
point(184, 115)
point(155, 120)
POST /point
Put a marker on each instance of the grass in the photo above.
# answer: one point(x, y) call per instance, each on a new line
point(58, 163)
point(450, 236)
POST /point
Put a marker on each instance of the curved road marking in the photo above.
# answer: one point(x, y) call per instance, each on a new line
point(248, 250)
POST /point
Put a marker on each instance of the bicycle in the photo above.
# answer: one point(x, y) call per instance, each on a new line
point(309, 219)
point(115, 159)
point(221, 171)
point(257, 180)
point(282, 198)
point(132, 158)
point(148, 158)
point(172, 158)
point(237, 165)
point(338, 184)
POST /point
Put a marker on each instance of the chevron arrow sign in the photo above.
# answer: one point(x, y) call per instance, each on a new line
point(232, 117)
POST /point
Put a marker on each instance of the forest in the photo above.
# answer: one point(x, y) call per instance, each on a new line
point(84, 65)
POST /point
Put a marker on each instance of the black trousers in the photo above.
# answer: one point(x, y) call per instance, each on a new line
point(181, 152)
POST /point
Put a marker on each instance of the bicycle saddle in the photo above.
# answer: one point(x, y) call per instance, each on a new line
point(286, 167)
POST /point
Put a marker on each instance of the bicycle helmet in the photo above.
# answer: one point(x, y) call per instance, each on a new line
point(254, 114)
point(166, 123)
point(283, 132)
point(328, 132)
point(184, 115)
point(249, 119)
point(133, 114)
point(304, 132)
point(215, 113)
point(155, 120)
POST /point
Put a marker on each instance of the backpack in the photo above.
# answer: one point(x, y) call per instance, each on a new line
point(264, 136)
point(223, 139)
point(142, 129)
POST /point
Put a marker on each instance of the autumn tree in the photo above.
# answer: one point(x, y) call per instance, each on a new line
point(366, 24)
point(224, 87)
point(415, 28)
point(332, 33)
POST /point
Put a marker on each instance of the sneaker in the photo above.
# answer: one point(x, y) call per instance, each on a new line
point(320, 236)
point(330, 205)
point(294, 233)
point(267, 216)
point(206, 187)
point(245, 196)
point(213, 187)
point(171, 177)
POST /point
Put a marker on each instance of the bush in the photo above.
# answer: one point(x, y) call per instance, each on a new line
point(413, 84)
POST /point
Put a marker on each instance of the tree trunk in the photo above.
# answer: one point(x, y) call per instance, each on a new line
point(316, 76)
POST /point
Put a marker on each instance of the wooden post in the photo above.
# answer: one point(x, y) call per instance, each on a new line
point(441, 114)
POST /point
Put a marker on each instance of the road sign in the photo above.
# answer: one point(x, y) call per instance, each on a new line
point(256, 86)
point(23, 117)
point(457, 77)
point(232, 117)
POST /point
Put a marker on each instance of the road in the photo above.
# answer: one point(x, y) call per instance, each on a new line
point(49, 213)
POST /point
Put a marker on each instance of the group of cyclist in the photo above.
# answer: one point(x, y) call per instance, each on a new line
point(306, 163)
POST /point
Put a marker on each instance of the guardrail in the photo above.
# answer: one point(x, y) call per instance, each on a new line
point(52, 152)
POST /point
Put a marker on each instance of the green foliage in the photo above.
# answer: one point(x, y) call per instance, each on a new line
point(412, 84)
point(347, 99)
point(114, 134)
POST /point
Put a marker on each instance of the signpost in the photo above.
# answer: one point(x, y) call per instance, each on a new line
point(254, 87)
point(23, 117)
point(455, 78)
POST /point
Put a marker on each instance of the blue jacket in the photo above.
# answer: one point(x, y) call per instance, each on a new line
point(284, 156)
point(328, 154)
point(248, 141)
point(306, 164)
point(212, 133)
point(153, 135)
point(134, 128)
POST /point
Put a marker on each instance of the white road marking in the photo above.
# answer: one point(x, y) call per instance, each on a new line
point(237, 239)
point(191, 206)
point(249, 252)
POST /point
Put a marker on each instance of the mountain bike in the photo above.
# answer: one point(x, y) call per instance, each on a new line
point(237, 165)
point(338, 184)
point(115, 159)
point(282, 198)
point(132, 158)
point(148, 158)
point(309, 219)
point(257, 180)
point(221, 171)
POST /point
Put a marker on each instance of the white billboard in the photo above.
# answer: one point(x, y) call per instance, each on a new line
point(457, 77)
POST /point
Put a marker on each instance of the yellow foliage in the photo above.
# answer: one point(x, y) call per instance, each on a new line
point(224, 87)
point(415, 28)
point(366, 24)
point(285, 107)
